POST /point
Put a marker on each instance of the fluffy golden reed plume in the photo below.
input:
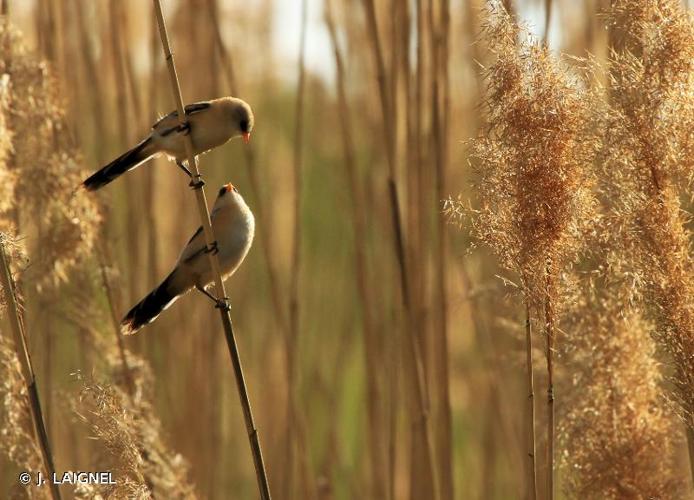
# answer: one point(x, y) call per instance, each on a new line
point(7, 177)
point(134, 450)
point(533, 182)
point(649, 162)
point(17, 442)
point(119, 412)
point(619, 439)
point(40, 167)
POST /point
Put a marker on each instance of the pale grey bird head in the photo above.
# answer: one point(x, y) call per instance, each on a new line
point(226, 189)
point(230, 201)
point(242, 117)
point(228, 195)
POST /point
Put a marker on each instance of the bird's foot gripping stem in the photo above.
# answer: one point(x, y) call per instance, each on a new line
point(184, 168)
point(196, 182)
point(213, 248)
point(184, 128)
point(223, 304)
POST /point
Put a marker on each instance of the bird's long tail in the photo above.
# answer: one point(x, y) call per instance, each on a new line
point(149, 308)
point(127, 161)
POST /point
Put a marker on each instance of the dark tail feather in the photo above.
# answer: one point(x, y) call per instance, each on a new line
point(151, 306)
point(126, 161)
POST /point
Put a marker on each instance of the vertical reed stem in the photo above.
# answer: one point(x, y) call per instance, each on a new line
point(548, 20)
point(295, 270)
point(439, 103)
point(150, 182)
point(223, 301)
point(260, 215)
point(359, 226)
point(20, 343)
point(530, 411)
point(690, 445)
point(116, 31)
point(549, 326)
point(416, 368)
point(115, 321)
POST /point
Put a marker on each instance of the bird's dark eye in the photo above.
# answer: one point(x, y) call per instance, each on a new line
point(222, 191)
point(236, 190)
point(244, 125)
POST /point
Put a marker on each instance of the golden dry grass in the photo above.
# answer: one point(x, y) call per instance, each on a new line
point(393, 364)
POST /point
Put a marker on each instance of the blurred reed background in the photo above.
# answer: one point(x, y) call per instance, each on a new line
point(385, 352)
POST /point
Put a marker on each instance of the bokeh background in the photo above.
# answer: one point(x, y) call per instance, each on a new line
point(319, 319)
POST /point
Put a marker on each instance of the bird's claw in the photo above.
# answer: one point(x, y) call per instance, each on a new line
point(184, 128)
point(213, 248)
point(223, 304)
point(196, 184)
point(207, 294)
point(184, 168)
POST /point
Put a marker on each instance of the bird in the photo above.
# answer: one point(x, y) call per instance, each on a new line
point(233, 225)
point(209, 123)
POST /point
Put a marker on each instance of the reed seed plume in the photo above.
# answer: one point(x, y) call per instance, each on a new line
point(649, 163)
point(18, 261)
point(534, 184)
point(8, 179)
point(39, 160)
point(118, 408)
point(620, 441)
point(620, 438)
point(17, 441)
point(134, 450)
point(28, 391)
point(554, 361)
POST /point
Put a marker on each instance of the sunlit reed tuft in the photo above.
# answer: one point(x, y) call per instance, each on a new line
point(533, 180)
point(134, 450)
point(43, 166)
point(620, 440)
point(649, 163)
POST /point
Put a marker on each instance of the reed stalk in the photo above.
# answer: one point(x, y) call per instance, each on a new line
point(549, 333)
point(416, 370)
point(20, 342)
point(531, 446)
point(440, 101)
point(93, 76)
point(260, 215)
point(150, 180)
point(292, 335)
point(359, 227)
point(223, 301)
point(548, 20)
point(115, 321)
point(118, 60)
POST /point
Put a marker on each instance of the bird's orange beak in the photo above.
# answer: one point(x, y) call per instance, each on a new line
point(229, 187)
point(246, 137)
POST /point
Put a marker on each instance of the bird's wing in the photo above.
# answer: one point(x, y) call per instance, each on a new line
point(194, 247)
point(167, 124)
